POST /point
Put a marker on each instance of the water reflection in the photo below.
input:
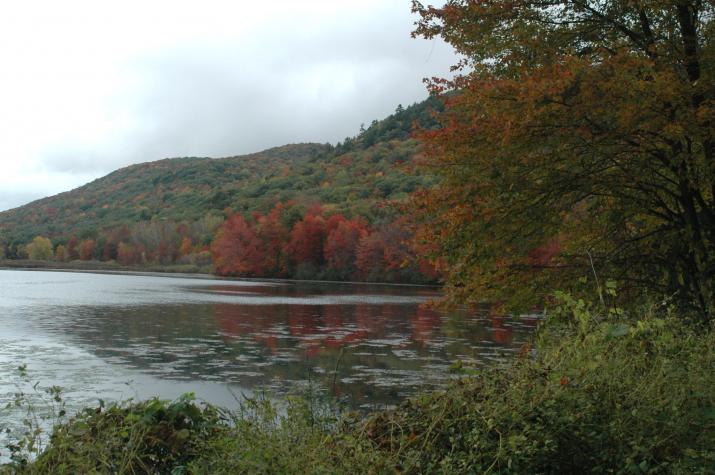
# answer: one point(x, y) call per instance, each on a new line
point(388, 350)
point(376, 343)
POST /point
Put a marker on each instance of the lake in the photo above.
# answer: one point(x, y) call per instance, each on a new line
point(136, 336)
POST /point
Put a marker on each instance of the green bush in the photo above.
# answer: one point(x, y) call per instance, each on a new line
point(601, 395)
point(301, 438)
point(153, 436)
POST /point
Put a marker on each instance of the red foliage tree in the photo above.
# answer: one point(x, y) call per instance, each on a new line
point(333, 222)
point(273, 237)
point(386, 249)
point(370, 256)
point(341, 245)
point(129, 255)
point(316, 209)
point(237, 250)
point(72, 249)
point(86, 249)
point(186, 246)
point(111, 239)
point(306, 242)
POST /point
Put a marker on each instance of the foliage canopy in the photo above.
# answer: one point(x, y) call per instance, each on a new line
point(40, 248)
point(581, 136)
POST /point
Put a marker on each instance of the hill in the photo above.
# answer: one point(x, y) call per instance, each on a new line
point(351, 178)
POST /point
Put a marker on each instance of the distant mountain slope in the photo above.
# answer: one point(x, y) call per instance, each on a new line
point(351, 177)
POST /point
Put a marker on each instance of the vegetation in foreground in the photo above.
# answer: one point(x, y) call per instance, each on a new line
point(598, 393)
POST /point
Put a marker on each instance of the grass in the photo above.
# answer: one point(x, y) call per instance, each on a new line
point(599, 392)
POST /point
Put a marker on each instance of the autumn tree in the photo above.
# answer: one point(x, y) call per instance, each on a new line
point(370, 257)
point(582, 130)
point(20, 251)
point(72, 248)
point(186, 246)
point(317, 246)
point(40, 249)
point(111, 239)
point(159, 238)
point(205, 228)
point(61, 253)
point(341, 245)
point(86, 249)
point(236, 249)
point(385, 255)
point(306, 241)
point(272, 234)
point(128, 254)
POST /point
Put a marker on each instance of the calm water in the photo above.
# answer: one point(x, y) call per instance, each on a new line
point(120, 336)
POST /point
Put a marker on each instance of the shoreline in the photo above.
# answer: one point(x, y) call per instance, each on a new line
point(45, 266)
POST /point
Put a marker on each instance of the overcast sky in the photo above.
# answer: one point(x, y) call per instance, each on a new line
point(88, 87)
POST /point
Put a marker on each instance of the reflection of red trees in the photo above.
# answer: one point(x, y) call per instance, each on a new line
point(255, 321)
point(320, 328)
point(302, 319)
point(425, 323)
point(334, 317)
point(330, 326)
point(501, 333)
point(530, 321)
point(342, 319)
point(368, 319)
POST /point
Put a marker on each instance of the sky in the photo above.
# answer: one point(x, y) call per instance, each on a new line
point(87, 87)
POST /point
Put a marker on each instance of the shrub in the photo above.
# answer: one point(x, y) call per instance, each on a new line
point(601, 395)
point(153, 436)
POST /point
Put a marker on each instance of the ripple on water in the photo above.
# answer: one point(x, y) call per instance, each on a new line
point(115, 336)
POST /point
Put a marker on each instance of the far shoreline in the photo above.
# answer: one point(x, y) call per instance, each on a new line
point(95, 267)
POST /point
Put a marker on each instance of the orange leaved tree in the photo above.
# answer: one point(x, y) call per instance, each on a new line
point(236, 249)
point(578, 139)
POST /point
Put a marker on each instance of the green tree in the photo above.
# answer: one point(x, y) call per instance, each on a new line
point(580, 137)
point(40, 249)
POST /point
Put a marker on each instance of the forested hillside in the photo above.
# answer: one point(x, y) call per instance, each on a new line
point(351, 177)
point(162, 211)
